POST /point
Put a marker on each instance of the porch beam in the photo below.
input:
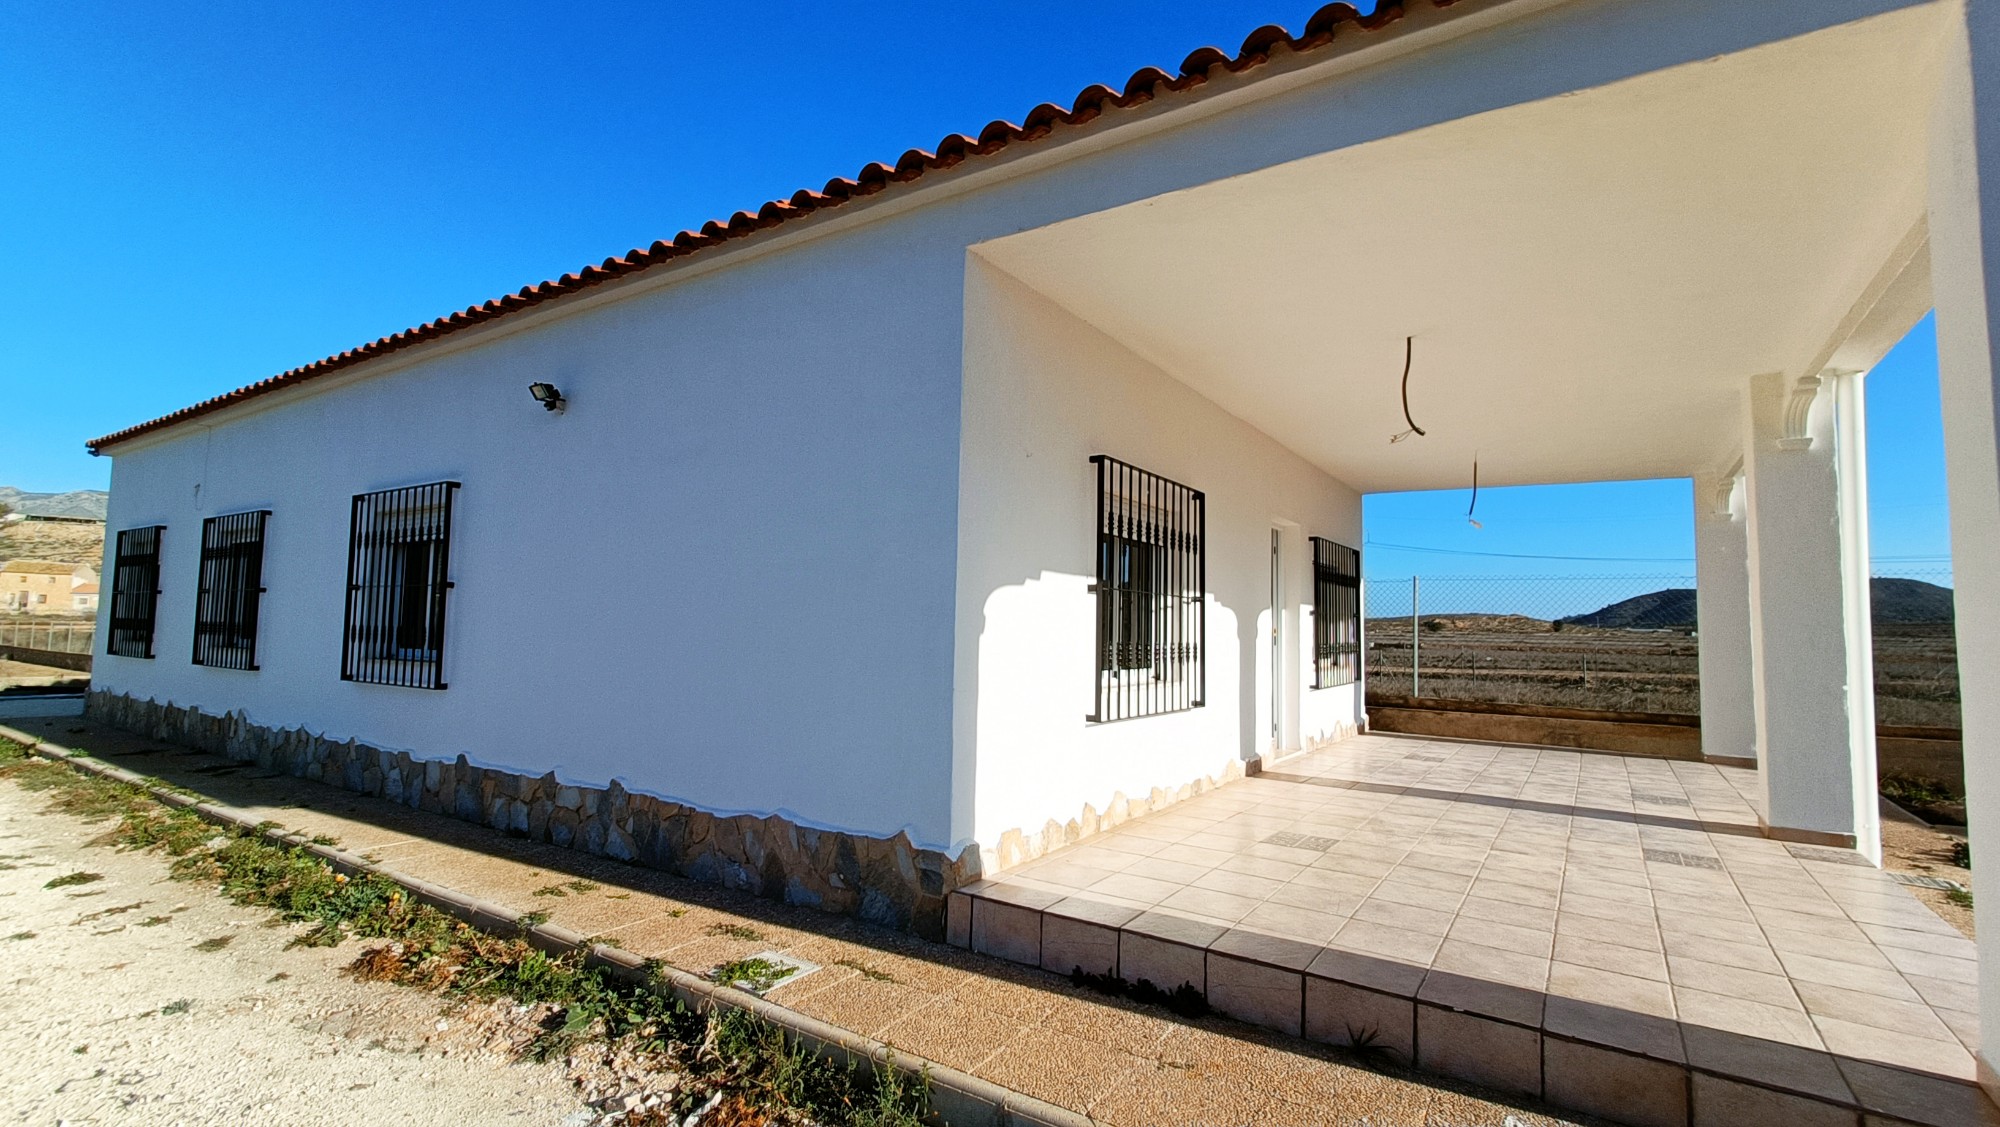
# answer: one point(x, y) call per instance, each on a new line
point(1807, 561)
point(1965, 281)
point(1722, 612)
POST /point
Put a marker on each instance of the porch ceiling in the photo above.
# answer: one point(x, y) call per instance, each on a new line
point(1590, 279)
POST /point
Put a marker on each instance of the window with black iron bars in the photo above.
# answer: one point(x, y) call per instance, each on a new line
point(1336, 614)
point(398, 576)
point(1151, 594)
point(231, 590)
point(135, 591)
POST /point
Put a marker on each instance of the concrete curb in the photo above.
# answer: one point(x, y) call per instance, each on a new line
point(958, 1099)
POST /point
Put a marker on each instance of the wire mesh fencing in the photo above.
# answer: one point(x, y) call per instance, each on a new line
point(1621, 643)
point(1916, 647)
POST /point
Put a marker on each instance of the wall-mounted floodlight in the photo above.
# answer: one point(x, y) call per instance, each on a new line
point(549, 396)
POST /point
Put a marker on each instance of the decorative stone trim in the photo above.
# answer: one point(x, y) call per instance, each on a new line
point(1798, 413)
point(887, 881)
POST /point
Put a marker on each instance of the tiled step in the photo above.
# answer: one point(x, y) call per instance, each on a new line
point(1600, 1059)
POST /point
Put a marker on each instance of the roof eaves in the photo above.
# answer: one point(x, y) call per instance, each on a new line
point(1089, 105)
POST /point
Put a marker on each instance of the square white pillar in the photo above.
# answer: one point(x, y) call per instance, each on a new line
point(1722, 611)
point(1807, 530)
point(1965, 285)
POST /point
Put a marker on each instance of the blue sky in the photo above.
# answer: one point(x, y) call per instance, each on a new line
point(205, 195)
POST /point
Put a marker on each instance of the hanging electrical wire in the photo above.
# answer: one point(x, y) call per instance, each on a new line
point(1409, 353)
point(1475, 494)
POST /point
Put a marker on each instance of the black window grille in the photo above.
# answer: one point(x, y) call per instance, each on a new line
point(398, 573)
point(232, 586)
point(135, 591)
point(1336, 614)
point(1152, 585)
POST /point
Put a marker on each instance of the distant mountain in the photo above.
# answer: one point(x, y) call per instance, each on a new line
point(76, 503)
point(1670, 609)
point(1909, 600)
point(1890, 600)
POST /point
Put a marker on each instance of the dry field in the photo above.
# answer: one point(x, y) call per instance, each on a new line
point(1511, 659)
point(59, 541)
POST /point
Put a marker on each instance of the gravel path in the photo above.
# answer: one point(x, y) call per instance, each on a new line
point(137, 999)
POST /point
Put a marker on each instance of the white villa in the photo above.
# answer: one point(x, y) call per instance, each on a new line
point(1006, 497)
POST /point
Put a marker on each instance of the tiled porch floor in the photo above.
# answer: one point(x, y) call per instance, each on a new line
point(1603, 902)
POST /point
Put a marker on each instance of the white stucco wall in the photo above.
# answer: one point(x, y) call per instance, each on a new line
point(764, 506)
point(762, 448)
point(1044, 392)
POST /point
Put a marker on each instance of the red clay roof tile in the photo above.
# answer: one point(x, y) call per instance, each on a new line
point(1091, 103)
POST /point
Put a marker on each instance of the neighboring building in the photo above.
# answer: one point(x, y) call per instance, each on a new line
point(46, 587)
point(1000, 493)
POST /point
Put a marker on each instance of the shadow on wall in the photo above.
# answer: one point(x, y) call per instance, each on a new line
point(1037, 757)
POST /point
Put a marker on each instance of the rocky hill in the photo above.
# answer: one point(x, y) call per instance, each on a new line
point(1892, 602)
point(76, 503)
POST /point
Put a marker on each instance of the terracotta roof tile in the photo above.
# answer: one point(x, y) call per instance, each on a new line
point(1091, 103)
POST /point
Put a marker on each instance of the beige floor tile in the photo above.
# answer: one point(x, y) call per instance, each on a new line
point(1608, 988)
point(1781, 1024)
point(1618, 958)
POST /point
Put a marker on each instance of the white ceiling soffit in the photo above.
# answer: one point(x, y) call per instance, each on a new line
point(1590, 279)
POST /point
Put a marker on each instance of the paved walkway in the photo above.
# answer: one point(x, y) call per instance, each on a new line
point(1613, 933)
point(1031, 1031)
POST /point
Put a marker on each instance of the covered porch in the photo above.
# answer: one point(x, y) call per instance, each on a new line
point(1615, 934)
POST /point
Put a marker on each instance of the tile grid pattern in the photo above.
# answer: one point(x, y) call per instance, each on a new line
point(1123, 1064)
point(1586, 901)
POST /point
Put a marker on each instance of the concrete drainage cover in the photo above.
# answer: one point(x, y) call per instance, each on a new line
point(1301, 841)
point(1939, 883)
point(785, 970)
point(1685, 860)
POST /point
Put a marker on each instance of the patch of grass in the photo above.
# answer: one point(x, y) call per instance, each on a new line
point(583, 886)
point(867, 971)
point(755, 975)
point(734, 931)
point(734, 1058)
point(1184, 999)
point(22, 935)
point(117, 911)
point(1959, 896)
point(1961, 853)
point(155, 921)
point(533, 919)
point(215, 944)
point(71, 880)
point(551, 890)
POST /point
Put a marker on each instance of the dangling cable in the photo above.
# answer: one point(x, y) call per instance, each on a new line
point(1409, 353)
point(1475, 494)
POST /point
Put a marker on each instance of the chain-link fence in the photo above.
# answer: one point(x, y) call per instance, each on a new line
point(1916, 654)
point(73, 637)
point(1621, 643)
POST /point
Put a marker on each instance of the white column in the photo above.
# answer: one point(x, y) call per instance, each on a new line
point(1807, 545)
point(1722, 611)
point(1965, 283)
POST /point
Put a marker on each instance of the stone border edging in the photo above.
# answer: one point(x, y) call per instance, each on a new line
point(958, 1099)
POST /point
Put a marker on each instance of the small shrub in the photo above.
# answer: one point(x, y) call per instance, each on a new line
point(757, 975)
point(735, 931)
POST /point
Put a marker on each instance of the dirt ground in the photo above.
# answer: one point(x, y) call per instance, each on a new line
point(136, 999)
point(1912, 847)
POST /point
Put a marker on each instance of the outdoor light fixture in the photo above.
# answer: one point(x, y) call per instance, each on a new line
point(549, 396)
